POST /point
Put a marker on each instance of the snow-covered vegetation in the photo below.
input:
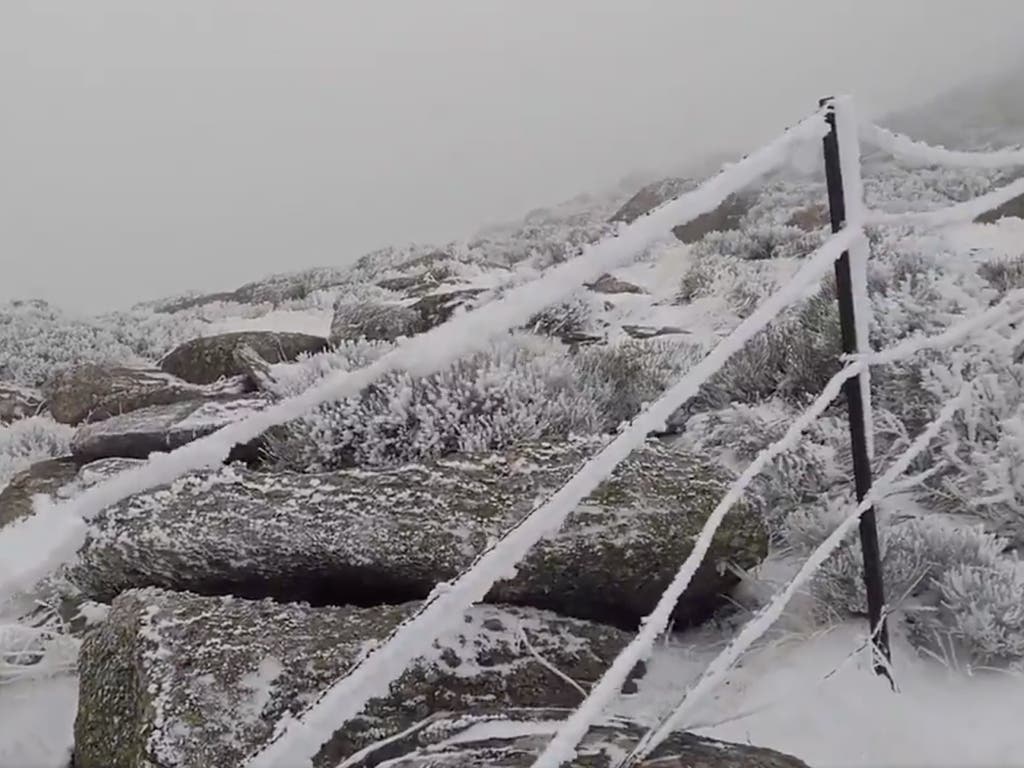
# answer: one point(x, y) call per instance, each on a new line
point(27, 441)
point(950, 532)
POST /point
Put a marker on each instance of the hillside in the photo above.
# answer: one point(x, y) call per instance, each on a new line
point(198, 613)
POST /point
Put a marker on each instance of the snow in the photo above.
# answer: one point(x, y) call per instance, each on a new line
point(316, 322)
point(906, 149)
point(763, 621)
point(561, 748)
point(806, 695)
point(444, 608)
point(959, 213)
point(36, 723)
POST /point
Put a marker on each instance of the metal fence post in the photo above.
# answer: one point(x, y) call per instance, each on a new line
point(873, 580)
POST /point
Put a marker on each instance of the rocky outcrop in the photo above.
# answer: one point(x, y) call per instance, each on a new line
point(1010, 209)
point(274, 290)
point(18, 403)
point(211, 358)
point(387, 321)
point(651, 196)
point(43, 477)
point(725, 218)
point(94, 392)
point(61, 477)
point(611, 284)
point(515, 738)
point(359, 537)
point(175, 679)
point(162, 428)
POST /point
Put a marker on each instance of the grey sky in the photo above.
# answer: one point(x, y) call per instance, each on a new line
point(151, 147)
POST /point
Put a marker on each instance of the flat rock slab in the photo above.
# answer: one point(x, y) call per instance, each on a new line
point(363, 537)
point(515, 738)
point(210, 358)
point(94, 392)
point(163, 428)
point(177, 680)
point(59, 478)
point(43, 477)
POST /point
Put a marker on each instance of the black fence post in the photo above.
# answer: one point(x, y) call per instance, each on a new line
point(873, 581)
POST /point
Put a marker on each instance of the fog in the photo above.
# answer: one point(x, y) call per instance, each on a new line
point(147, 148)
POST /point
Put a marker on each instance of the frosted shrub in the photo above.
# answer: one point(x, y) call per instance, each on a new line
point(735, 435)
point(522, 388)
point(570, 319)
point(623, 377)
point(759, 242)
point(978, 454)
point(37, 340)
point(1003, 275)
point(742, 284)
point(794, 357)
point(980, 612)
point(27, 441)
point(958, 590)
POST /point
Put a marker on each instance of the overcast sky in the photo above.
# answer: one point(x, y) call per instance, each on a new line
point(151, 147)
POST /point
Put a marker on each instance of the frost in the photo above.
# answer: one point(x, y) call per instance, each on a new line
point(24, 442)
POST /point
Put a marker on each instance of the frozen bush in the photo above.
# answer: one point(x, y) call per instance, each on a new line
point(37, 340)
point(794, 357)
point(623, 377)
point(27, 441)
point(735, 435)
point(1003, 275)
point(957, 588)
point(571, 319)
point(523, 387)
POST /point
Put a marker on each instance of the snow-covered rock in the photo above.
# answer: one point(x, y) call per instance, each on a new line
point(359, 537)
point(514, 739)
point(724, 218)
point(207, 359)
point(174, 679)
point(45, 477)
point(162, 428)
point(93, 391)
point(388, 320)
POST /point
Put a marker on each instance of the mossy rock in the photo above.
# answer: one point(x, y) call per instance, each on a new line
point(363, 538)
point(175, 679)
point(211, 358)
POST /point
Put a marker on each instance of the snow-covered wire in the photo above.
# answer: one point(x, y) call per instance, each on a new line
point(770, 613)
point(960, 213)
point(904, 148)
point(443, 608)
point(562, 747)
point(50, 537)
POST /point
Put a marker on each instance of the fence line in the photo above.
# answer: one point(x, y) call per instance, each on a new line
point(301, 739)
point(960, 213)
point(656, 623)
point(59, 530)
point(53, 534)
point(904, 148)
point(757, 626)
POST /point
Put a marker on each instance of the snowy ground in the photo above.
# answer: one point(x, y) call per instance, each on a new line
point(940, 717)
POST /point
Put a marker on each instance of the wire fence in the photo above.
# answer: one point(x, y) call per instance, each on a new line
point(51, 536)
